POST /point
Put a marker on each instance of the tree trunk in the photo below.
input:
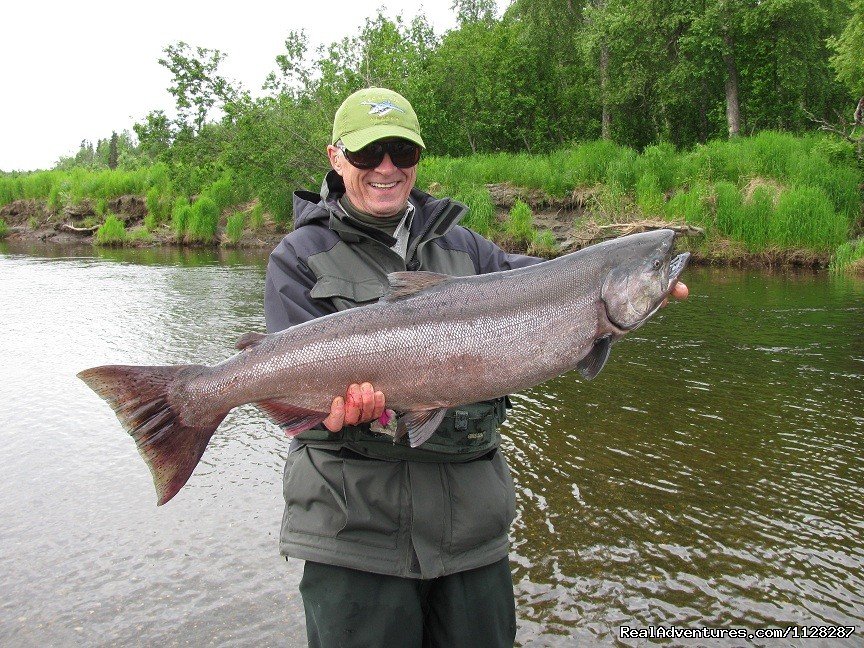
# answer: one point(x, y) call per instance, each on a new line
point(606, 119)
point(733, 112)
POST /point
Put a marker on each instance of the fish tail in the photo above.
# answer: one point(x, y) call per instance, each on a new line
point(142, 399)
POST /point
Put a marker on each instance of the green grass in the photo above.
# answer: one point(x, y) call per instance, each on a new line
point(234, 227)
point(203, 220)
point(481, 214)
point(111, 232)
point(519, 225)
point(256, 217)
point(180, 216)
point(811, 201)
point(544, 244)
point(847, 254)
point(4, 229)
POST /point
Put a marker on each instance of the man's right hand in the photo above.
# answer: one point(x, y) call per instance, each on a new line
point(361, 404)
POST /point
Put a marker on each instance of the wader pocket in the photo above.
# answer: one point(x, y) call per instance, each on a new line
point(358, 500)
point(373, 494)
point(482, 501)
point(314, 502)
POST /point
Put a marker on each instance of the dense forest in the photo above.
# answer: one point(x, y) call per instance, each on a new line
point(665, 77)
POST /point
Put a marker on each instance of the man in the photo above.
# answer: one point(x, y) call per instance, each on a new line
point(403, 546)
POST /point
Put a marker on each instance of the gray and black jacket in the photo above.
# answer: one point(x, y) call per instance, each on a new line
point(355, 499)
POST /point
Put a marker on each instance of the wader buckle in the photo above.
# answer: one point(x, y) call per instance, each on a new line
point(460, 420)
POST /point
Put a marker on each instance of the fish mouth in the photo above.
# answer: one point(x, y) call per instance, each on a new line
point(676, 267)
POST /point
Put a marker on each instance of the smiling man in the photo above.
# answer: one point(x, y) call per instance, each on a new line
point(403, 546)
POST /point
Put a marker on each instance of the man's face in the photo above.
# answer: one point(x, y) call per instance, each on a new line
point(382, 191)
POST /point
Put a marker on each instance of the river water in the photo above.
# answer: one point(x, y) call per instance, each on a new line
point(711, 476)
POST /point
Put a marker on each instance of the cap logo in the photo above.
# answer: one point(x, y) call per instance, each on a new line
point(381, 107)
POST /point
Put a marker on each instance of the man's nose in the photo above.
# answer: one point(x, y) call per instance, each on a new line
point(386, 165)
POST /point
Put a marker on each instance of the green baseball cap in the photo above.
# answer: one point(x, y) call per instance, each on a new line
point(372, 114)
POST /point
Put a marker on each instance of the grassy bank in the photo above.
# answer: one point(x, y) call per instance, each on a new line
point(769, 193)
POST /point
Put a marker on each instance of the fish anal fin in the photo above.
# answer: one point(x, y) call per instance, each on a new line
point(407, 284)
point(249, 340)
point(292, 419)
point(591, 364)
point(420, 425)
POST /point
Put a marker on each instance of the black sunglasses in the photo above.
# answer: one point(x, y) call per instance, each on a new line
point(403, 154)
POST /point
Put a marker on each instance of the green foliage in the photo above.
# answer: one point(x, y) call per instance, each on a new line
point(848, 60)
point(519, 225)
point(4, 229)
point(203, 220)
point(222, 192)
point(234, 227)
point(195, 83)
point(111, 232)
point(848, 254)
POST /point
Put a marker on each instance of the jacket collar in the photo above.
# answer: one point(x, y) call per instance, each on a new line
point(433, 217)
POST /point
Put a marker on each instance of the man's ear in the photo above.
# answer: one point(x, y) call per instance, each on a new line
point(336, 160)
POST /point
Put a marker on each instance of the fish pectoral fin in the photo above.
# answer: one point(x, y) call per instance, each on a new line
point(249, 340)
point(292, 419)
point(408, 284)
point(591, 364)
point(419, 426)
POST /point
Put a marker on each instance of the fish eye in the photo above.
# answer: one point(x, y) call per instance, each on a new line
point(656, 264)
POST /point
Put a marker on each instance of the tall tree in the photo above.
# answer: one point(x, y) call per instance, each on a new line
point(112, 151)
point(195, 82)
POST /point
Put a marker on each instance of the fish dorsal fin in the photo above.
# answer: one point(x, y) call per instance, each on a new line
point(591, 364)
point(419, 426)
point(249, 340)
point(407, 284)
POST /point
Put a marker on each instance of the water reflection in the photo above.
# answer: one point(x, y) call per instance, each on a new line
point(711, 475)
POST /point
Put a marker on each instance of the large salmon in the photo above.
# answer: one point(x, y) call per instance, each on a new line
point(433, 342)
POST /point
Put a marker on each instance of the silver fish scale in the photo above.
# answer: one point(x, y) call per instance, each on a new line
point(462, 341)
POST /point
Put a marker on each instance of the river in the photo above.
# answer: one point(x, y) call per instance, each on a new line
point(711, 476)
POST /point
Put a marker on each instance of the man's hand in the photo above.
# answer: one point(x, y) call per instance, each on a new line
point(679, 291)
point(361, 404)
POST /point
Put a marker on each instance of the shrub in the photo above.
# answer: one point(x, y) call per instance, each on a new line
point(234, 227)
point(222, 192)
point(111, 232)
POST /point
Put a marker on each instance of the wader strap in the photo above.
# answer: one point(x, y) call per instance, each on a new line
point(465, 433)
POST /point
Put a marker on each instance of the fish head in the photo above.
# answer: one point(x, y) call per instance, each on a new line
point(641, 273)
